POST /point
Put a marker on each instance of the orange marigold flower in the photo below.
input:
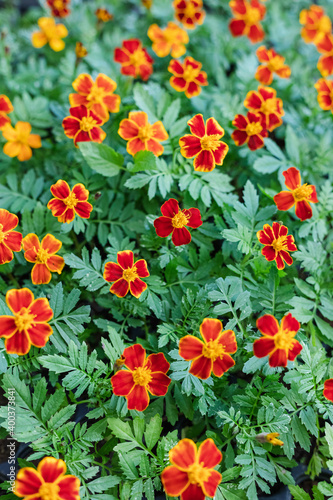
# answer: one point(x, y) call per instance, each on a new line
point(277, 244)
point(97, 96)
point(29, 323)
point(50, 33)
point(189, 12)
point(328, 389)
point(5, 108)
point(251, 130)
point(278, 341)
point(213, 353)
point(10, 241)
point(188, 76)
point(265, 102)
point(325, 94)
point(48, 481)
point(142, 136)
point(43, 256)
point(144, 375)
point(325, 47)
point(83, 125)
point(300, 195)
point(66, 203)
point(20, 140)
point(272, 63)
point(125, 274)
point(134, 59)
point(248, 15)
point(147, 3)
point(103, 15)
point(316, 24)
point(204, 144)
point(170, 40)
point(80, 50)
point(59, 8)
point(192, 475)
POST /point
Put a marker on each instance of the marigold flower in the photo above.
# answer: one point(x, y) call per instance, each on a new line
point(43, 256)
point(189, 12)
point(204, 144)
point(29, 323)
point(50, 33)
point(213, 353)
point(5, 108)
point(66, 203)
point(20, 140)
point(144, 375)
point(175, 221)
point(97, 96)
point(316, 24)
point(59, 8)
point(328, 389)
point(265, 102)
point(325, 94)
point(142, 136)
point(171, 39)
point(80, 50)
point(300, 195)
point(271, 438)
point(248, 15)
point(103, 15)
point(278, 341)
point(83, 125)
point(251, 130)
point(134, 59)
point(125, 274)
point(147, 3)
point(10, 241)
point(192, 475)
point(277, 244)
point(47, 482)
point(272, 63)
point(325, 47)
point(188, 76)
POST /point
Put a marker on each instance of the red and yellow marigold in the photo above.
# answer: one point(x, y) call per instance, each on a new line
point(170, 40)
point(247, 17)
point(43, 256)
point(325, 47)
point(277, 243)
point(80, 50)
point(20, 141)
point(10, 240)
point(278, 340)
point(316, 24)
point(83, 125)
point(213, 353)
point(328, 389)
point(47, 482)
point(187, 76)
point(59, 8)
point(134, 59)
point(142, 136)
point(125, 274)
point(67, 203)
point(192, 475)
point(251, 130)
point(103, 15)
point(5, 108)
point(325, 94)
point(50, 33)
point(174, 221)
point(204, 144)
point(29, 323)
point(299, 195)
point(143, 375)
point(272, 63)
point(265, 102)
point(189, 12)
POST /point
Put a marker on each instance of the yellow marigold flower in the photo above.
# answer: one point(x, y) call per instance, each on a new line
point(20, 140)
point(50, 33)
point(171, 39)
point(271, 437)
point(80, 50)
point(103, 15)
point(147, 3)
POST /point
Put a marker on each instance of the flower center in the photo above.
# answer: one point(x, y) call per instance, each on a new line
point(268, 106)
point(275, 63)
point(302, 193)
point(58, 4)
point(49, 491)
point(179, 220)
point(138, 58)
point(2, 234)
point(213, 350)
point(23, 319)
point(323, 24)
point(284, 340)
point(142, 376)
point(210, 142)
point(130, 274)
point(190, 73)
point(280, 243)
point(253, 128)
point(252, 16)
point(71, 201)
point(190, 10)
point(96, 94)
point(197, 474)
point(87, 123)
point(145, 133)
point(42, 256)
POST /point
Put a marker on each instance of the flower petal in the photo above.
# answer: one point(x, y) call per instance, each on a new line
point(303, 210)
point(112, 272)
point(328, 389)
point(69, 487)
point(194, 220)
point(55, 263)
point(289, 323)
point(159, 384)
point(263, 347)
point(268, 325)
point(16, 299)
point(135, 356)
point(208, 454)
point(210, 329)
point(181, 236)
point(125, 259)
point(120, 288)
point(222, 364)
point(176, 481)
point(122, 383)
point(6, 255)
point(40, 334)
point(295, 350)
point(201, 367)
point(18, 343)
point(204, 161)
point(278, 358)
point(60, 189)
point(28, 481)
point(197, 126)
point(157, 363)
point(51, 468)
point(193, 492)
point(7, 326)
point(163, 226)
point(40, 274)
point(8, 220)
point(170, 208)
point(128, 129)
point(30, 241)
point(190, 347)
point(138, 398)
point(137, 287)
point(83, 209)
point(284, 200)
point(184, 454)
point(210, 486)
point(41, 310)
point(228, 340)
point(51, 244)
point(141, 268)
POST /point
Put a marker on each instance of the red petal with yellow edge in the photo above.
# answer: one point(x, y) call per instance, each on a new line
point(57, 207)
point(138, 398)
point(240, 121)
point(5, 104)
point(39, 334)
point(220, 153)
point(135, 356)
point(255, 142)
point(16, 299)
point(209, 455)
point(286, 257)
point(214, 128)
point(210, 329)
point(80, 192)
point(253, 101)
point(163, 226)
point(7, 326)
point(83, 209)
point(112, 272)
point(122, 383)
point(313, 197)
point(237, 27)
point(264, 75)
point(190, 146)
point(55, 264)
point(41, 310)
point(256, 33)
point(279, 230)
point(28, 481)
point(51, 469)
point(323, 85)
point(268, 325)
point(140, 118)
point(30, 241)
point(40, 275)
point(121, 56)
point(269, 253)
point(106, 83)
point(137, 287)
point(157, 363)
point(132, 45)
point(51, 244)
point(129, 70)
point(145, 71)
point(238, 7)
point(266, 236)
point(120, 288)
point(210, 486)
point(141, 268)
point(31, 255)
point(194, 215)
point(181, 236)
point(71, 126)
point(125, 259)
point(325, 65)
point(284, 72)
point(201, 367)
point(159, 384)
point(178, 83)
point(193, 492)
point(112, 102)
point(324, 101)
point(263, 347)
point(325, 44)
point(292, 178)
point(18, 343)
point(184, 454)
point(328, 389)
point(294, 351)
point(83, 84)
point(60, 190)
point(190, 347)
point(303, 210)
point(192, 90)
point(134, 146)
point(222, 365)
point(267, 92)
point(82, 136)
point(228, 340)
point(176, 481)
point(278, 358)
point(159, 132)
point(263, 54)
point(284, 200)
point(291, 244)
point(13, 240)
point(197, 126)
point(176, 68)
point(155, 147)
point(170, 208)
point(97, 134)
point(240, 137)
point(4, 119)
point(128, 129)
point(9, 221)
point(69, 488)
point(279, 261)
point(273, 121)
point(204, 162)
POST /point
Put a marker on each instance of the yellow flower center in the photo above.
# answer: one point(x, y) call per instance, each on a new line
point(42, 256)
point(142, 376)
point(252, 16)
point(275, 63)
point(213, 350)
point(179, 220)
point(190, 10)
point(96, 94)
point(58, 4)
point(253, 128)
point(87, 123)
point(190, 73)
point(197, 474)
point(71, 201)
point(145, 133)
point(130, 274)
point(280, 243)
point(49, 491)
point(302, 193)
point(323, 24)
point(23, 319)
point(268, 106)
point(284, 340)
point(138, 58)
point(2, 235)
point(210, 142)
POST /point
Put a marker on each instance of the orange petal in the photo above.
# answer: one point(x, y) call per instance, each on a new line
point(16, 299)
point(175, 481)
point(28, 482)
point(210, 329)
point(51, 244)
point(51, 469)
point(30, 241)
point(190, 347)
point(19, 343)
point(184, 454)
point(208, 454)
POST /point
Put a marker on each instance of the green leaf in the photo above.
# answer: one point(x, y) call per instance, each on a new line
point(101, 158)
point(143, 160)
point(145, 102)
point(298, 493)
point(101, 484)
point(153, 431)
point(120, 429)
